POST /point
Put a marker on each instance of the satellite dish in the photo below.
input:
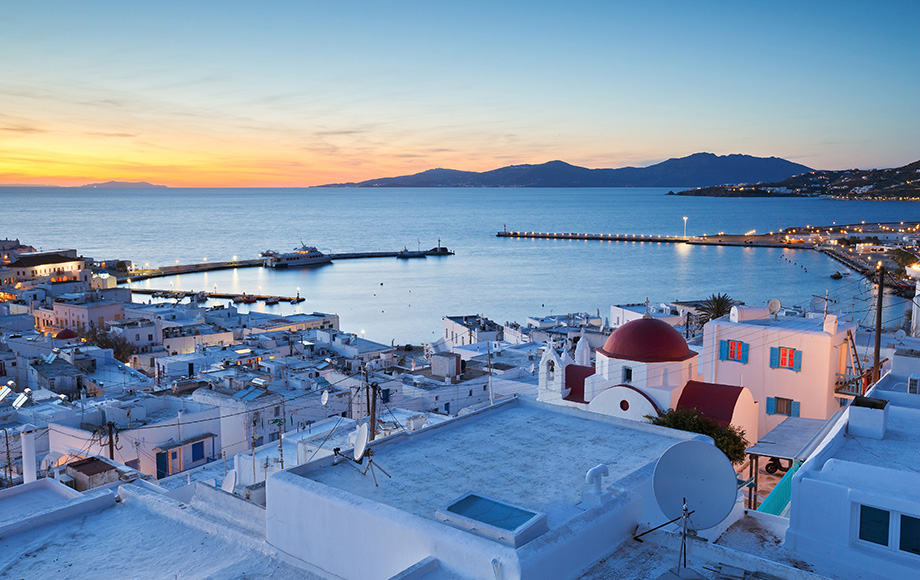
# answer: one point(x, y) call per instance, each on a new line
point(360, 441)
point(325, 398)
point(702, 474)
point(229, 482)
point(900, 334)
point(773, 305)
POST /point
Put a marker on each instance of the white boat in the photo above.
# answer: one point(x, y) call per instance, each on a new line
point(302, 256)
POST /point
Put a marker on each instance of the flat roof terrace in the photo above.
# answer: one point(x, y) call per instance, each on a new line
point(518, 452)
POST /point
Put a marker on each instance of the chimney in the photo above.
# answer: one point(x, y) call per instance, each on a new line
point(867, 417)
point(28, 453)
point(830, 324)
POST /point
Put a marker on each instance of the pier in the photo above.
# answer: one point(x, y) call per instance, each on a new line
point(715, 240)
point(180, 294)
point(162, 271)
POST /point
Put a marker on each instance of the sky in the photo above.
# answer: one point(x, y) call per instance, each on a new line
point(305, 93)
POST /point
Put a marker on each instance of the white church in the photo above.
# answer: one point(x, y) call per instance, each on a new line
point(644, 368)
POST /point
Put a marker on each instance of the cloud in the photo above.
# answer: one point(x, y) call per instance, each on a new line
point(22, 129)
point(106, 134)
point(337, 132)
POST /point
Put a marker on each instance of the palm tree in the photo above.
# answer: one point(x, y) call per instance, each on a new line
point(715, 306)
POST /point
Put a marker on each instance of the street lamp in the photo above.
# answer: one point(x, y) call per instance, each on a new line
point(685, 226)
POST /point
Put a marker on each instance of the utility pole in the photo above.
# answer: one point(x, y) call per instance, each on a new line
point(9, 457)
point(252, 447)
point(280, 424)
point(373, 418)
point(111, 427)
point(491, 395)
point(687, 327)
point(876, 367)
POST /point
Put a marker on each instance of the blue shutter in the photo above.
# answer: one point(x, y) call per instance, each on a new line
point(744, 352)
point(723, 350)
point(795, 409)
point(771, 406)
point(797, 361)
point(774, 357)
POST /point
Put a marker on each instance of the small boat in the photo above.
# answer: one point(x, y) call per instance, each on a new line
point(200, 297)
point(298, 299)
point(406, 253)
point(836, 276)
point(239, 299)
point(272, 301)
point(249, 299)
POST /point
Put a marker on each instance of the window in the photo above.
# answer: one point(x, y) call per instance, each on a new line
point(873, 525)
point(910, 534)
point(198, 451)
point(734, 350)
point(784, 357)
point(627, 375)
point(277, 411)
point(783, 406)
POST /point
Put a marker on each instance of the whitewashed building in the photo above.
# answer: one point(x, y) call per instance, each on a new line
point(855, 501)
point(789, 363)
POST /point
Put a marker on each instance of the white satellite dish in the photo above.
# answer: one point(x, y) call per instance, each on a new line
point(361, 435)
point(900, 335)
point(773, 305)
point(325, 398)
point(229, 483)
point(700, 473)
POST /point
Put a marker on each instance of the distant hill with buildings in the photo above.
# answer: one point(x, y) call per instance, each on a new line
point(697, 170)
point(894, 183)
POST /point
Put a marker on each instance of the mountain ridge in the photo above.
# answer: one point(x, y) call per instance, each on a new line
point(696, 170)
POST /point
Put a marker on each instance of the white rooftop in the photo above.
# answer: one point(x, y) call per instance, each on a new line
point(517, 452)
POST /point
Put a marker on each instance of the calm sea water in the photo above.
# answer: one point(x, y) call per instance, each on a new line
point(505, 279)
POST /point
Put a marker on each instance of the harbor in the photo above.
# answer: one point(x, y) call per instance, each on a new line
point(875, 244)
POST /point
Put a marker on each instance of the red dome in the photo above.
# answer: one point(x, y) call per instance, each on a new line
point(66, 334)
point(646, 340)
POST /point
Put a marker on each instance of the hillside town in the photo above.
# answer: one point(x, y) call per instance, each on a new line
point(241, 432)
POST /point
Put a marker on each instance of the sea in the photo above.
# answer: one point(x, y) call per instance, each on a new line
point(403, 301)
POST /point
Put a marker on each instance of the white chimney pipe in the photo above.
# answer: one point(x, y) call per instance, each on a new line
point(28, 454)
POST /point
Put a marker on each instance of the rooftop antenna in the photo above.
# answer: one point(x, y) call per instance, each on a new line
point(361, 450)
point(774, 305)
point(693, 478)
point(826, 300)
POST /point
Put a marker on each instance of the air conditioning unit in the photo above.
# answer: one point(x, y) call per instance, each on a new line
point(913, 384)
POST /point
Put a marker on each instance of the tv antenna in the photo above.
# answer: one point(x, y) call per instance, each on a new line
point(693, 478)
point(826, 299)
point(362, 451)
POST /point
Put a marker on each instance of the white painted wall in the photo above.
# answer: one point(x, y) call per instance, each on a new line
point(823, 356)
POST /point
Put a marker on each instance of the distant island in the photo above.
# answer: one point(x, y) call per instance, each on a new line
point(697, 170)
point(122, 185)
point(882, 184)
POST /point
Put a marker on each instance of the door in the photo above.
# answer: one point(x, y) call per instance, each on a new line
point(174, 466)
point(162, 465)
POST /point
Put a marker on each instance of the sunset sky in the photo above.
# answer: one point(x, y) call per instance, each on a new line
point(305, 93)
